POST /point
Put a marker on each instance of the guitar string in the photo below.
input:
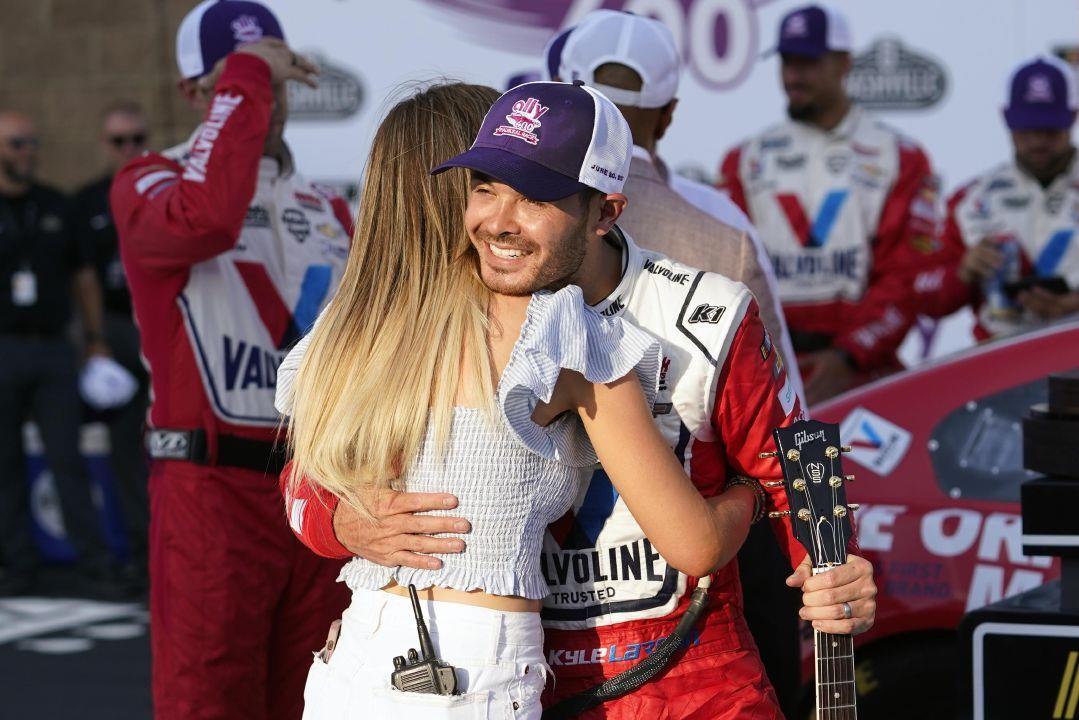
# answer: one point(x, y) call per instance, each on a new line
point(831, 671)
point(820, 644)
point(840, 640)
point(844, 643)
point(837, 532)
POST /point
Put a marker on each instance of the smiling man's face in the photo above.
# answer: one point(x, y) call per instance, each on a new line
point(525, 246)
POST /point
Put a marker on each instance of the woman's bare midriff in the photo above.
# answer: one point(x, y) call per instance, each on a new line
point(502, 603)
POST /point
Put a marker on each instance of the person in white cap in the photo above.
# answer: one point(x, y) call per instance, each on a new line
point(1013, 229)
point(847, 207)
point(229, 254)
point(634, 61)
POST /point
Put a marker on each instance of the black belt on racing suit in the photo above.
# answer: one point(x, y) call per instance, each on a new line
point(231, 450)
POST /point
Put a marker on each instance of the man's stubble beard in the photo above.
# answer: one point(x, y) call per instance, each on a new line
point(1052, 168)
point(561, 269)
point(803, 113)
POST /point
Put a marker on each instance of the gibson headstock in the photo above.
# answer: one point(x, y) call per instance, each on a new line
point(809, 453)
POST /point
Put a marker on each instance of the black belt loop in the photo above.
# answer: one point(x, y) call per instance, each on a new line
point(232, 451)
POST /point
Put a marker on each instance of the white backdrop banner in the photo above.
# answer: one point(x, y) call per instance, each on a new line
point(935, 70)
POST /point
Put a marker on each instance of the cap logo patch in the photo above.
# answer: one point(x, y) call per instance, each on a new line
point(523, 121)
point(796, 26)
point(246, 29)
point(1039, 89)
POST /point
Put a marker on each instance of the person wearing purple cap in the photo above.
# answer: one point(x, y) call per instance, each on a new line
point(847, 208)
point(546, 173)
point(634, 61)
point(572, 386)
point(1012, 230)
point(229, 255)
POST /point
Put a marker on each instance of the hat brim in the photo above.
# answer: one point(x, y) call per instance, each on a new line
point(534, 181)
point(1039, 119)
point(796, 48)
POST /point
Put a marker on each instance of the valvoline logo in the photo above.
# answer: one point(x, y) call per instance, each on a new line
point(875, 443)
point(580, 530)
point(285, 326)
point(523, 121)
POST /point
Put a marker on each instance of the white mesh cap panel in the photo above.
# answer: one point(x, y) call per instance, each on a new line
point(839, 35)
point(188, 48)
point(606, 163)
point(641, 43)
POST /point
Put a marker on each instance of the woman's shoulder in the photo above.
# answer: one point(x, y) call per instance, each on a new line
point(561, 332)
point(562, 329)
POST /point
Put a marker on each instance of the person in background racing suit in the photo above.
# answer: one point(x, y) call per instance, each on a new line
point(1018, 221)
point(613, 598)
point(229, 255)
point(847, 208)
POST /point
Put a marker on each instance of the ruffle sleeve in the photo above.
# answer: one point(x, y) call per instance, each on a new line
point(561, 332)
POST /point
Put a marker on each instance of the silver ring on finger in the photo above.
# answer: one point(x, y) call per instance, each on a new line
point(848, 613)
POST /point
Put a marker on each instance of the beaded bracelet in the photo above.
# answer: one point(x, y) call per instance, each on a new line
point(760, 497)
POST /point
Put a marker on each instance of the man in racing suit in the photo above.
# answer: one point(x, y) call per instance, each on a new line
point(1017, 222)
point(847, 208)
point(635, 62)
point(722, 391)
point(229, 255)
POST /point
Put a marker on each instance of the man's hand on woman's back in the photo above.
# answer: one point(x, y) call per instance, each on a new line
point(398, 535)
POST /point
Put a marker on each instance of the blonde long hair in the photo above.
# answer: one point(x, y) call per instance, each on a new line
point(408, 323)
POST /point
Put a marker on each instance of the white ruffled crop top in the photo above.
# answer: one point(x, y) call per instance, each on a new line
point(513, 477)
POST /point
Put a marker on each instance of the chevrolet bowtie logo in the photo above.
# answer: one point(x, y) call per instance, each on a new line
point(1068, 697)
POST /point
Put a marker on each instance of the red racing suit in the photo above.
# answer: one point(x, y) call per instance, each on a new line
point(1009, 205)
point(722, 390)
point(849, 218)
point(229, 257)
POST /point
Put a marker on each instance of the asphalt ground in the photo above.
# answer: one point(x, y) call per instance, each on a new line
point(64, 657)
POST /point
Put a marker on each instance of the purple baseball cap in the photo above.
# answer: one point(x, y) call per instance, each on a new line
point(812, 31)
point(549, 140)
point(1041, 95)
point(217, 27)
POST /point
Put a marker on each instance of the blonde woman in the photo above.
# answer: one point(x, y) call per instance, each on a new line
point(445, 362)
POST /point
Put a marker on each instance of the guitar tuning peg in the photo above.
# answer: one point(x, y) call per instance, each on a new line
point(804, 514)
point(835, 482)
point(844, 448)
point(780, 514)
point(831, 452)
point(853, 506)
point(777, 483)
point(850, 478)
point(765, 456)
point(799, 484)
point(839, 511)
point(793, 455)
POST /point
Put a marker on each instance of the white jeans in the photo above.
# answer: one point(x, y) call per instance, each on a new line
point(498, 657)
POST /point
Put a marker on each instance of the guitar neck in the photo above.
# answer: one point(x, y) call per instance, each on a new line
point(834, 656)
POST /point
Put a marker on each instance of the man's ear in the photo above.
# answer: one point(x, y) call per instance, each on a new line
point(665, 119)
point(610, 209)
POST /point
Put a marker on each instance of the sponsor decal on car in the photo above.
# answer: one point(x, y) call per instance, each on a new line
point(875, 442)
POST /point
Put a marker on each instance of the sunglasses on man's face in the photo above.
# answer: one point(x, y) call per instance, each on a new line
point(136, 139)
point(23, 143)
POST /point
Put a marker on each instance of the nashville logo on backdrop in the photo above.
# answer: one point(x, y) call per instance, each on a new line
point(339, 93)
point(892, 76)
point(719, 39)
